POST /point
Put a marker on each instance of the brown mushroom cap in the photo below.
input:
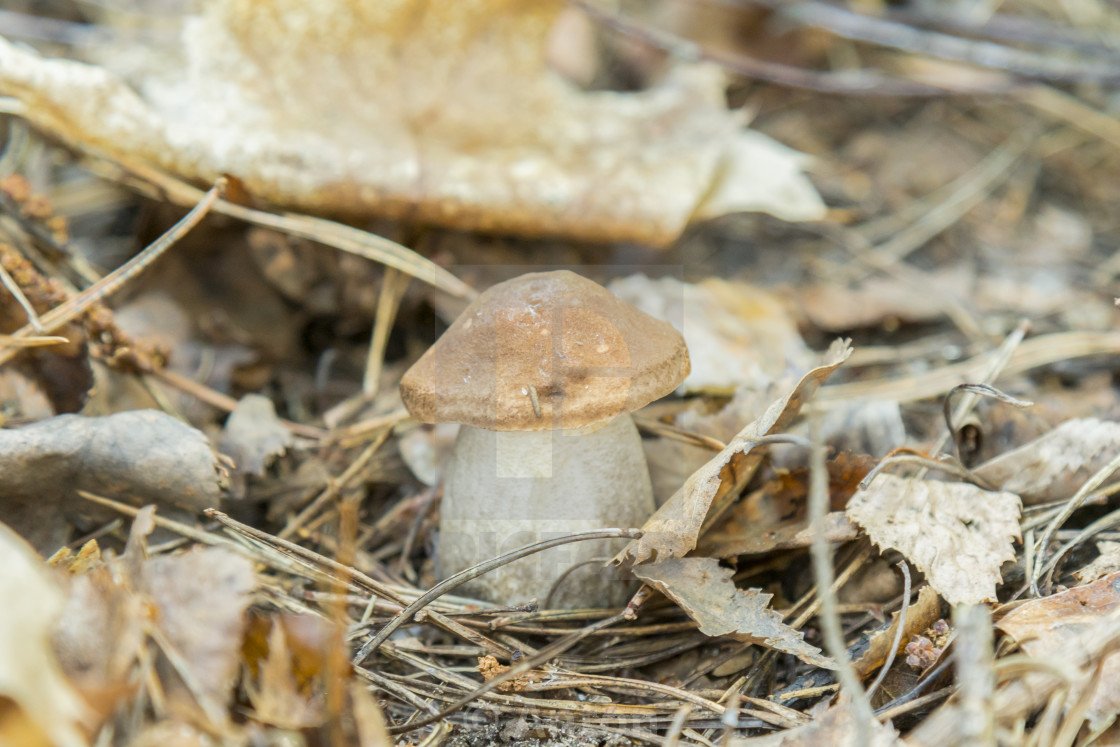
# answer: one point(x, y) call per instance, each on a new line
point(544, 351)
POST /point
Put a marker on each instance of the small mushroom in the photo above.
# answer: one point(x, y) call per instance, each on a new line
point(543, 371)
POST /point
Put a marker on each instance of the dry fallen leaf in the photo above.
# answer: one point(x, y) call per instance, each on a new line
point(955, 533)
point(673, 529)
point(1106, 563)
point(442, 113)
point(201, 597)
point(426, 449)
point(132, 456)
point(835, 727)
point(833, 307)
point(369, 720)
point(253, 437)
point(704, 589)
point(775, 516)
point(30, 675)
point(738, 335)
point(276, 695)
point(725, 542)
point(1053, 466)
point(185, 612)
point(923, 613)
point(1047, 627)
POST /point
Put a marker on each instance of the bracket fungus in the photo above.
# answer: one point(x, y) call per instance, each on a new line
point(543, 371)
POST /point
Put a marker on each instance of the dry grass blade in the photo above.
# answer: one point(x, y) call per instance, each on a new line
point(973, 653)
point(1036, 352)
point(343, 237)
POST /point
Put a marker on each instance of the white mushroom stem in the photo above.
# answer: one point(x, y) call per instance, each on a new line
point(505, 489)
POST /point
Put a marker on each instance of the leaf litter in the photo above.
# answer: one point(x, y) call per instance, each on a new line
point(277, 364)
point(957, 534)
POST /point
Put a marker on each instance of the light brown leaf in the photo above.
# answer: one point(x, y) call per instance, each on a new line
point(369, 721)
point(724, 542)
point(920, 615)
point(276, 696)
point(835, 307)
point(137, 456)
point(1104, 564)
point(673, 529)
point(955, 533)
point(30, 675)
point(835, 728)
point(253, 436)
point(738, 335)
point(775, 515)
point(201, 597)
point(1053, 466)
point(442, 113)
point(1050, 626)
point(704, 589)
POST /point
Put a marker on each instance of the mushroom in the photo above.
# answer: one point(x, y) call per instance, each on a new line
point(543, 371)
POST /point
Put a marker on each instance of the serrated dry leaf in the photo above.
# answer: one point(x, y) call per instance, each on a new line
point(923, 613)
point(955, 533)
point(30, 675)
point(673, 529)
point(137, 456)
point(835, 728)
point(738, 335)
point(442, 113)
point(704, 589)
point(1107, 562)
point(1047, 627)
point(1053, 466)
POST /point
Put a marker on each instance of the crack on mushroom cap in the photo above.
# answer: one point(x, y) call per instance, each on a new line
point(588, 355)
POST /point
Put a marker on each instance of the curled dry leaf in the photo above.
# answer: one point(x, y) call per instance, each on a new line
point(1053, 466)
point(436, 112)
point(955, 533)
point(1052, 627)
point(920, 615)
point(30, 675)
point(133, 456)
point(835, 727)
point(673, 529)
point(738, 335)
point(704, 589)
